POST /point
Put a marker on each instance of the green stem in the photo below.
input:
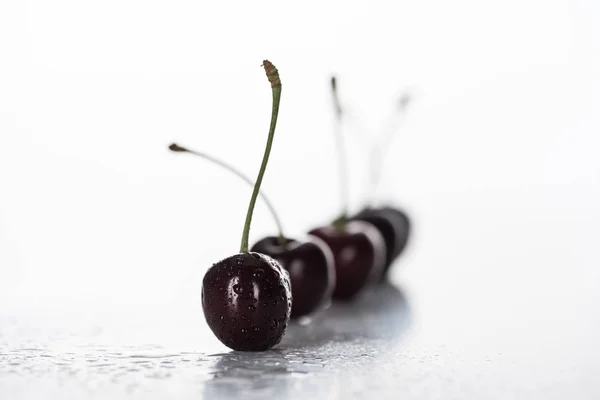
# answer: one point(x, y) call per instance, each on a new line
point(176, 148)
point(273, 76)
point(340, 222)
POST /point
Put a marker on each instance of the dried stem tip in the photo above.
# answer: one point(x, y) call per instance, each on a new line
point(176, 147)
point(272, 73)
point(336, 99)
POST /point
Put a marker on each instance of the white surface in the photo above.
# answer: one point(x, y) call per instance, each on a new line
point(474, 319)
point(100, 226)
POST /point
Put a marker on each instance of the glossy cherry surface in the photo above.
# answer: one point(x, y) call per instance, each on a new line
point(247, 301)
point(311, 268)
point(359, 254)
point(403, 226)
point(385, 226)
point(394, 226)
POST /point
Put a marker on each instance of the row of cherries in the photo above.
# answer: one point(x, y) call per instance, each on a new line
point(249, 298)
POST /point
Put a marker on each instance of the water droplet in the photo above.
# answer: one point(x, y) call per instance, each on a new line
point(251, 308)
point(222, 318)
point(275, 302)
point(239, 261)
point(257, 256)
point(257, 329)
point(238, 289)
point(274, 324)
point(258, 273)
point(265, 304)
point(244, 318)
point(244, 330)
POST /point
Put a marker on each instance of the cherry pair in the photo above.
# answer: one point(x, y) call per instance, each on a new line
point(247, 298)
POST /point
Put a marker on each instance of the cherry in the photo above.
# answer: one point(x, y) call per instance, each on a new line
point(385, 226)
point(402, 224)
point(358, 247)
point(394, 226)
point(359, 253)
point(246, 298)
point(311, 268)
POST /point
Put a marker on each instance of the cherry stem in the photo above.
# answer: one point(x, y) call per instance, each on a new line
point(340, 222)
point(380, 148)
point(180, 149)
point(273, 76)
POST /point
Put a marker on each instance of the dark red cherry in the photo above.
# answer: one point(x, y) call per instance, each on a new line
point(403, 225)
point(247, 301)
point(394, 226)
point(385, 226)
point(311, 268)
point(359, 253)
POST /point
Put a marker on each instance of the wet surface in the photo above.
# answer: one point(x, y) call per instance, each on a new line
point(36, 362)
point(507, 308)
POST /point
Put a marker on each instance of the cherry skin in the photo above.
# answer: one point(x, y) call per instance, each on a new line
point(403, 225)
point(311, 268)
point(247, 301)
point(394, 226)
point(359, 253)
point(385, 227)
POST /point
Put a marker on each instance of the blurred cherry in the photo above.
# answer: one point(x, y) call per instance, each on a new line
point(359, 253)
point(394, 226)
point(310, 265)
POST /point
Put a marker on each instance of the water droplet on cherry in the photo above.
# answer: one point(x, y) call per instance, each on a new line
point(258, 273)
point(238, 289)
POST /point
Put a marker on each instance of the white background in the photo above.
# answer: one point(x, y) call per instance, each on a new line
point(497, 161)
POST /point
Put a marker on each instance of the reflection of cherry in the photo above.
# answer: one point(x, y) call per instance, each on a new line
point(359, 252)
point(394, 226)
point(246, 298)
point(311, 269)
